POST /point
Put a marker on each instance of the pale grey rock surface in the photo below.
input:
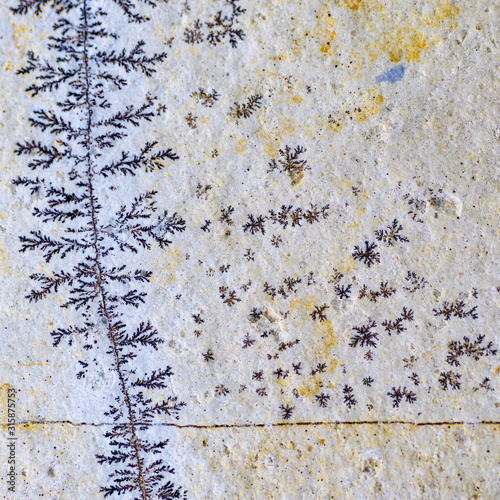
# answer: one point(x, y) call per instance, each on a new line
point(308, 368)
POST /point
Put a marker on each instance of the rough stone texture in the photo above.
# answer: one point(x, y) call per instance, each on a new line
point(311, 365)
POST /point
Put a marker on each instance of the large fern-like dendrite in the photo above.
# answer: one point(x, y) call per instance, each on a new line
point(81, 136)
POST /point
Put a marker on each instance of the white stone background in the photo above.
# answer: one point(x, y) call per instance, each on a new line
point(434, 129)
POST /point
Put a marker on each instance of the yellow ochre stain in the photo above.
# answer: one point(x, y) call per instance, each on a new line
point(309, 391)
point(282, 382)
point(5, 260)
point(19, 32)
point(371, 108)
point(325, 328)
point(352, 4)
point(172, 259)
point(401, 33)
point(332, 366)
point(5, 387)
point(402, 43)
point(321, 33)
point(274, 137)
point(364, 106)
point(241, 146)
point(325, 32)
point(444, 10)
point(31, 427)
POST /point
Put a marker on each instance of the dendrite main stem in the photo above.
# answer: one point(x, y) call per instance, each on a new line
point(93, 202)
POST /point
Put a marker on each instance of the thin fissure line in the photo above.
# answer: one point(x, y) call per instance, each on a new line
point(262, 425)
